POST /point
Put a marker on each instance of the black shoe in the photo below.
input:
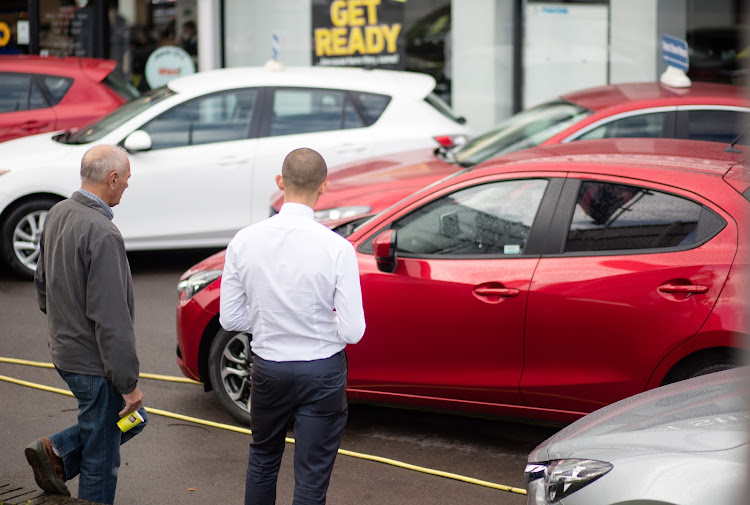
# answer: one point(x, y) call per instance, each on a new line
point(49, 472)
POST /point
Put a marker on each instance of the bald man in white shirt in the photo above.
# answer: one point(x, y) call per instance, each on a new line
point(294, 284)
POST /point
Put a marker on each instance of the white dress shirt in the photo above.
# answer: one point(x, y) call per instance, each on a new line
point(293, 284)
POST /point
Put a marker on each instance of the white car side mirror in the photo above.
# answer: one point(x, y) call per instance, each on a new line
point(139, 140)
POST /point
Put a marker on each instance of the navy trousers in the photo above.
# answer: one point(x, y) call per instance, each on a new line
point(312, 394)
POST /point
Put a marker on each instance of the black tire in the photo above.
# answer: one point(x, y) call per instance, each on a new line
point(20, 234)
point(702, 364)
point(711, 368)
point(230, 365)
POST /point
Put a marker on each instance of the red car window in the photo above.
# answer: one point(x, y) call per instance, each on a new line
point(611, 217)
point(20, 92)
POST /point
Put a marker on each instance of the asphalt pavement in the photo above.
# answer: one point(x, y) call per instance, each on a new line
point(176, 460)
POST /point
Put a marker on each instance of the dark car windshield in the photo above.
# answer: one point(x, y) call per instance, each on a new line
point(443, 108)
point(526, 129)
point(121, 86)
point(114, 119)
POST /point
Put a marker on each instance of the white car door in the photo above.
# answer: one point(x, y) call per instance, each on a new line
point(194, 186)
point(336, 123)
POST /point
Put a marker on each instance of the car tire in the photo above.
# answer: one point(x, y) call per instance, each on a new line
point(21, 233)
point(695, 366)
point(230, 365)
point(711, 368)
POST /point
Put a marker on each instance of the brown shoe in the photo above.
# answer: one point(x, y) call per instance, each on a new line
point(49, 472)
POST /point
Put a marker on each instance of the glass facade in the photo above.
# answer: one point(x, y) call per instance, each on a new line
point(437, 37)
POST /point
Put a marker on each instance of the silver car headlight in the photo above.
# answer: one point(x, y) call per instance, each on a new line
point(551, 481)
point(193, 284)
point(341, 212)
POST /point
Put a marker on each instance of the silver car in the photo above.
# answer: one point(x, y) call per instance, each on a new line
point(685, 444)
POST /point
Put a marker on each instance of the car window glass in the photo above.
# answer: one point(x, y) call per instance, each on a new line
point(215, 118)
point(528, 128)
point(372, 105)
point(443, 108)
point(492, 218)
point(19, 93)
point(121, 86)
point(117, 117)
point(351, 118)
point(641, 125)
point(36, 98)
point(611, 217)
point(57, 87)
point(716, 125)
point(306, 110)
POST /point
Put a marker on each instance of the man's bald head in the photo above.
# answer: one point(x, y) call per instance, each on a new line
point(102, 160)
point(304, 170)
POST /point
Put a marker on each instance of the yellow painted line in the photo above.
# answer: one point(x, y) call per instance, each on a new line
point(154, 376)
point(168, 378)
point(238, 429)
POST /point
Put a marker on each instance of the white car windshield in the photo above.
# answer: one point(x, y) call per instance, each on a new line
point(114, 119)
point(523, 130)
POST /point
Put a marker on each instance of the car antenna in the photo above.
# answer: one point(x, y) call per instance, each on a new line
point(730, 148)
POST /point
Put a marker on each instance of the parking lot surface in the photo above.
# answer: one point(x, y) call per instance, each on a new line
point(176, 460)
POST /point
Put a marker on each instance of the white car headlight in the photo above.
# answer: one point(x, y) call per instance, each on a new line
point(199, 280)
point(551, 481)
point(340, 212)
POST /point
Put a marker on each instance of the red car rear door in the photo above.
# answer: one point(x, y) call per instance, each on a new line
point(638, 270)
point(26, 122)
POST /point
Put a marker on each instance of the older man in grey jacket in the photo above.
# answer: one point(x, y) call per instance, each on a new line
point(84, 287)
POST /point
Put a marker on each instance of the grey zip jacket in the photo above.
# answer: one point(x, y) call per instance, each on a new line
point(84, 286)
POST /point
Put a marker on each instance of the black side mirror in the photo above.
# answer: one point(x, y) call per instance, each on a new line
point(384, 247)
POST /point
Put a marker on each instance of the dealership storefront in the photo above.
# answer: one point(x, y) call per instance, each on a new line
point(490, 57)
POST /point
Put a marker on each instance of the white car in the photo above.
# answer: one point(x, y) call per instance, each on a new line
point(205, 148)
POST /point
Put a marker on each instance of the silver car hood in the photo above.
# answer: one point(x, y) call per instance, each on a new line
point(708, 413)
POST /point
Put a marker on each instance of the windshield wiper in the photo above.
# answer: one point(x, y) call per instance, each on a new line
point(64, 137)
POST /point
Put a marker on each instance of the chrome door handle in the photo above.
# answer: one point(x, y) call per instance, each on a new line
point(485, 291)
point(232, 161)
point(30, 125)
point(683, 288)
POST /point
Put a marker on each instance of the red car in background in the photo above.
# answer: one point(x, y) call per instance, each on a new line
point(704, 111)
point(542, 285)
point(44, 94)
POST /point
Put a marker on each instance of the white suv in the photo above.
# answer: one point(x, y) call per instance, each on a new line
point(205, 148)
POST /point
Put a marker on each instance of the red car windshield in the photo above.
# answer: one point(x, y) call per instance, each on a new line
point(523, 130)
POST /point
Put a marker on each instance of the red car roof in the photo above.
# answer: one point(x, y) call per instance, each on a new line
point(672, 154)
point(621, 95)
point(94, 68)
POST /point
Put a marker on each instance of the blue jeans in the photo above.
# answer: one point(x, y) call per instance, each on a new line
point(91, 448)
point(313, 394)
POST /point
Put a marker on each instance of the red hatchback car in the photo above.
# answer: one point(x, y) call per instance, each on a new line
point(44, 94)
point(543, 285)
point(704, 111)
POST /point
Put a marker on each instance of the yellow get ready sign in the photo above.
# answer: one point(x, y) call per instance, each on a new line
point(358, 33)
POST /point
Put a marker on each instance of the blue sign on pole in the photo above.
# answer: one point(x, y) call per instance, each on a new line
point(275, 47)
point(675, 52)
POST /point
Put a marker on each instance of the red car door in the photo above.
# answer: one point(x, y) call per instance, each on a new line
point(446, 326)
point(27, 122)
point(23, 108)
point(640, 269)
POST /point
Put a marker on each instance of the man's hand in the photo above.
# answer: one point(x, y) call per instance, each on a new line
point(133, 401)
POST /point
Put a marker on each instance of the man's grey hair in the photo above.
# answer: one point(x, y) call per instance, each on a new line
point(102, 160)
point(304, 169)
